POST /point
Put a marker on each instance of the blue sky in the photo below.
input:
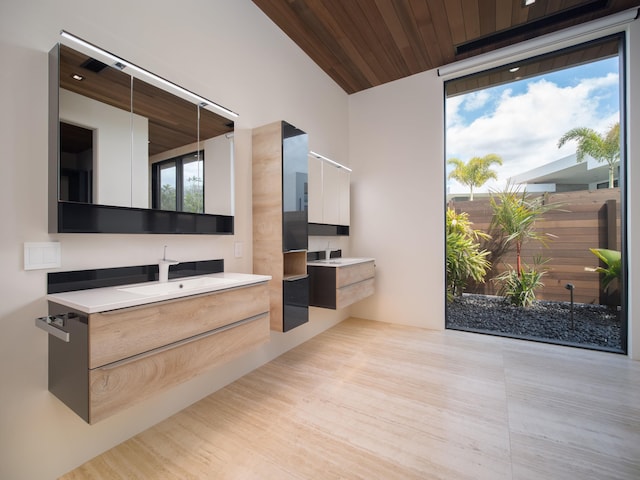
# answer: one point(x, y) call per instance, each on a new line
point(523, 120)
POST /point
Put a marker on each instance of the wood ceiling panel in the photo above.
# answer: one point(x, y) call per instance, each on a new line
point(504, 9)
point(387, 51)
point(364, 43)
point(487, 16)
point(388, 11)
point(471, 17)
point(455, 20)
point(426, 29)
point(443, 32)
point(359, 44)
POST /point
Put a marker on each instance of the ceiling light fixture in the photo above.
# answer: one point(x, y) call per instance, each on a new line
point(328, 160)
point(122, 64)
point(527, 3)
point(514, 69)
point(77, 77)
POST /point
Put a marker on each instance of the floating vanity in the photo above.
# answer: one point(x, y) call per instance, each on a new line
point(114, 346)
point(339, 282)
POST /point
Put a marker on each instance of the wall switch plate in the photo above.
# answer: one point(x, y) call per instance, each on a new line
point(41, 255)
point(237, 249)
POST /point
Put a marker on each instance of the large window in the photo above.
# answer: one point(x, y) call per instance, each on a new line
point(178, 183)
point(535, 216)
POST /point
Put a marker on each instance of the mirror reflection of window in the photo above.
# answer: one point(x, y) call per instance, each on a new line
point(178, 183)
point(193, 185)
point(168, 186)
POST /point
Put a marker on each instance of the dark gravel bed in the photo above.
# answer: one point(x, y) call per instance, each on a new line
point(594, 325)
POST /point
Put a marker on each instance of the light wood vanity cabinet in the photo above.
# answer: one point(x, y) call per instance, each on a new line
point(339, 286)
point(133, 353)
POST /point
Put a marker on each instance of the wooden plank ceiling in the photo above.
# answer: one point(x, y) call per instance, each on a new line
point(365, 43)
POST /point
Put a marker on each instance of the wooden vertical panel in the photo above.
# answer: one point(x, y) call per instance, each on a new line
point(455, 18)
point(612, 225)
point(503, 13)
point(427, 33)
point(444, 36)
point(471, 15)
point(519, 14)
point(267, 213)
point(487, 16)
point(395, 27)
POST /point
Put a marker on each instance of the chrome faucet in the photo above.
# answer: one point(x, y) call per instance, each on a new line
point(163, 267)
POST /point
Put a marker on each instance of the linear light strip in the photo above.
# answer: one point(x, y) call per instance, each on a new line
point(580, 33)
point(121, 64)
point(328, 160)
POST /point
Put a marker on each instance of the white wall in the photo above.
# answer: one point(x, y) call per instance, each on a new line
point(397, 198)
point(225, 50)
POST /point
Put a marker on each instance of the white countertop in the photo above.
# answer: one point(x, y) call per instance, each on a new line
point(339, 262)
point(112, 298)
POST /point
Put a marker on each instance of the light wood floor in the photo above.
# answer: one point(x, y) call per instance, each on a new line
point(376, 401)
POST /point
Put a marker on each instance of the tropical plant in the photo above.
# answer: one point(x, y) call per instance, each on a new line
point(613, 261)
point(476, 172)
point(167, 197)
point(603, 148)
point(519, 287)
point(513, 221)
point(464, 258)
point(193, 195)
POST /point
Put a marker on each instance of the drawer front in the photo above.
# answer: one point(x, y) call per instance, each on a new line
point(115, 387)
point(354, 273)
point(355, 292)
point(124, 333)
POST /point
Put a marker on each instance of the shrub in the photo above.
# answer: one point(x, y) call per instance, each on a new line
point(613, 261)
point(519, 287)
point(464, 258)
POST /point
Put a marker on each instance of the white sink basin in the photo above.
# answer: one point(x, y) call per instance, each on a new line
point(181, 285)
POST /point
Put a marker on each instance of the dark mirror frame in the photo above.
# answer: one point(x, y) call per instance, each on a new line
point(76, 217)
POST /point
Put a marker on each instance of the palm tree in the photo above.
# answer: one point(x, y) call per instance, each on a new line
point(513, 222)
point(476, 172)
point(602, 148)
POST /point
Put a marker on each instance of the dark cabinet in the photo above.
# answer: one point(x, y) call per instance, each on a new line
point(295, 174)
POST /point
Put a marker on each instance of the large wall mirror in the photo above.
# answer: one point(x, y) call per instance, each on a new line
point(133, 153)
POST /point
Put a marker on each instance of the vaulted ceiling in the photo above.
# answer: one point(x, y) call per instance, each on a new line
point(365, 43)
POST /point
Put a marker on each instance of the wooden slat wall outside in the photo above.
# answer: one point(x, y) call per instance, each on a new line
point(579, 224)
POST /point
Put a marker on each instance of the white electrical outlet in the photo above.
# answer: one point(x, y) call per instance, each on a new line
point(237, 249)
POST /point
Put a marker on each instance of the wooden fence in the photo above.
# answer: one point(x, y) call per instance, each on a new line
point(585, 219)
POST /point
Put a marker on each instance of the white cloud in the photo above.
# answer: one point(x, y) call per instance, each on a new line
point(524, 128)
point(476, 100)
